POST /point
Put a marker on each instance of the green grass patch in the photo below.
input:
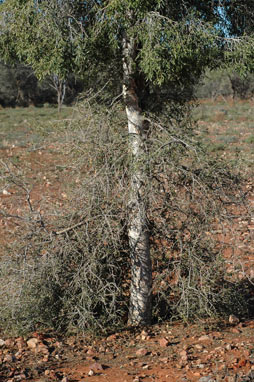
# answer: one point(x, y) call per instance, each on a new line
point(22, 126)
point(227, 126)
point(250, 139)
point(224, 111)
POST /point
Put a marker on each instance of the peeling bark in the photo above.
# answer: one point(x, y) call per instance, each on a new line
point(138, 232)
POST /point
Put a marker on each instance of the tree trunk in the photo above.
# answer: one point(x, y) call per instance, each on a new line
point(138, 232)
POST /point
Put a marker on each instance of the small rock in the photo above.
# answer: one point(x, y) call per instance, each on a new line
point(65, 379)
point(242, 362)
point(233, 319)
point(142, 352)
point(163, 342)
point(235, 330)
point(199, 347)
point(58, 344)
point(18, 355)
point(32, 343)
point(71, 341)
point(9, 358)
point(144, 336)
point(18, 378)
point(164, 360)
point(20, 343)
point(90, 358)
point(90, 373)
point(112, 337)
point(6, 193)
point(207, 378)
point(97, 366)
point(90, 352)
point(217, 335)
point(9, 342)
point(204, 338)
point(2, 342)
point(43, 349)
point(231, 378)
point(53, 375)
point(45, 358)
point(183, 354)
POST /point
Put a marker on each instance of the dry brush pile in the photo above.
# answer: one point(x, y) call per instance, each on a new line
point(70, 270)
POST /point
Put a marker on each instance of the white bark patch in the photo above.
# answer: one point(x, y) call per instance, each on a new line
point(141, 283)
point(141, 286)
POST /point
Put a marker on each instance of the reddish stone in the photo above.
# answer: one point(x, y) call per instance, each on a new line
point(242, 362)
point(142, 352)
point(163, 342)
point(235, 330)
point(97, 367)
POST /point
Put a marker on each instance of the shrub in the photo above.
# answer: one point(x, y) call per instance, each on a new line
point(72, 272)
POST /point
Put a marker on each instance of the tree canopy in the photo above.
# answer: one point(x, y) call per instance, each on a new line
point(174, 40)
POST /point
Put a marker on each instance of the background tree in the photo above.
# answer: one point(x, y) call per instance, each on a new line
point(60, 87)
point(20, 87)
point(239, 26)
point(145, 46)
point(238, 16)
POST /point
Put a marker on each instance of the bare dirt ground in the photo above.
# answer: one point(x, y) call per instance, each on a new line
point(206, 351)
point(159, 353)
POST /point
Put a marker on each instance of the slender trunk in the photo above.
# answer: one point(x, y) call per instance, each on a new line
point(60, 87)
point(59, 103)
point(141, 283)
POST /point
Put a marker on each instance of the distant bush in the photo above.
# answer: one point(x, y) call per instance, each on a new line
point(225, 83)
point(8, 93)
point(243, 87)
point(20, 87)
point(214, 83)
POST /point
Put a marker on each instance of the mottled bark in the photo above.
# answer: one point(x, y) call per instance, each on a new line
point(141, 283)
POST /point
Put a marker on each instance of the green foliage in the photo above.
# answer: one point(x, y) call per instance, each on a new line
point(39, 37)
point(239, 54)
point(250, 139)
point(176, 51)
point(173, 44)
